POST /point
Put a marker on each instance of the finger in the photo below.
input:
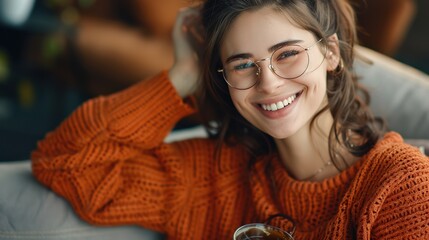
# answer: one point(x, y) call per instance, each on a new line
point(182, 22)
point(196, 31)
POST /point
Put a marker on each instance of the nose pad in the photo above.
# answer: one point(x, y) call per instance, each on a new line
point(258, 72)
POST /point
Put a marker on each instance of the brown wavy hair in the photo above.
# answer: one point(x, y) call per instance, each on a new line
point(347, 100)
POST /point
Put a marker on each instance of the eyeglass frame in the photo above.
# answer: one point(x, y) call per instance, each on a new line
point(270, 66)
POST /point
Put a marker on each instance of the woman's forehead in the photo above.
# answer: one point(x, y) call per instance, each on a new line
point(257, 30)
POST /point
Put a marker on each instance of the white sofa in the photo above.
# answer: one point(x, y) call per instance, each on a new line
point(30, 211)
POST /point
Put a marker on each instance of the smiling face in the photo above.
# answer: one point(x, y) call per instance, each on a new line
point(277, 106)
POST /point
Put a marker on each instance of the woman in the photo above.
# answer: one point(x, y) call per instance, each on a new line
point(290, 135)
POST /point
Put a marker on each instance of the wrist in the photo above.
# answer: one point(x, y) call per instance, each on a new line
point(183, 79)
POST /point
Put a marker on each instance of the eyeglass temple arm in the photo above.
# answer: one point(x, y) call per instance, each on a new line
point(270, 218)
point(318, 41)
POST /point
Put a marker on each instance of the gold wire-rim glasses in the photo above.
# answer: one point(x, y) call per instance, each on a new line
point(272, 68)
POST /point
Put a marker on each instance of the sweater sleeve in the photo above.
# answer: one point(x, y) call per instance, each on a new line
point(403, 211)
point(103, 158)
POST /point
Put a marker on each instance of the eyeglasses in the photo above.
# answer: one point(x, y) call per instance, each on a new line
point(288, 62)
point(264, 231)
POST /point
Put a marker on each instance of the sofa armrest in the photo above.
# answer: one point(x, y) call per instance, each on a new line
point(422, 144)
point(28, 210)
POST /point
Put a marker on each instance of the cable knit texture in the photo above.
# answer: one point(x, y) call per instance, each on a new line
point(109, 160)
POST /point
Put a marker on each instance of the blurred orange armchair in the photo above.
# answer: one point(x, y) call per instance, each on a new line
point(384, 23)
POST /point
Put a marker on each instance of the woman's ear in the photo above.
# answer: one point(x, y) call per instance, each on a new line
point(333, 55)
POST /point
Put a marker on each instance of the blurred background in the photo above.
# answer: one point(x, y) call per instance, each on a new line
point(55, 54)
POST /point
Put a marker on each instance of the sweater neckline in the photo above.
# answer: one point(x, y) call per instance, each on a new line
point(340, 180)
point(280, 174)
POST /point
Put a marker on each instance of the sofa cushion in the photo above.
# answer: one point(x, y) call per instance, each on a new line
point(30, 211)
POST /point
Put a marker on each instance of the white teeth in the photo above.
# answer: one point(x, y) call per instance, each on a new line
point(278, 105)
point(273, 107)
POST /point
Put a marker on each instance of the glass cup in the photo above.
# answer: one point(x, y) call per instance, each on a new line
point(261, 231)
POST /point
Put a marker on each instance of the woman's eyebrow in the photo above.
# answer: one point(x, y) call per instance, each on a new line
point(284, 43)
point(238, 56)
point(270, 49)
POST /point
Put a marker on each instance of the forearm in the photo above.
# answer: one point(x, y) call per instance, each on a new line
point(108, 146)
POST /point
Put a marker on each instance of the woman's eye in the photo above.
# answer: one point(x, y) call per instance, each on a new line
point(287, 54)
point(244, 66)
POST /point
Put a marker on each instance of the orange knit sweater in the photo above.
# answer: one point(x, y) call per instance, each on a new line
point(109, 160)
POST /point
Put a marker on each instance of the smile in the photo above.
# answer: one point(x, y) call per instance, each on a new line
point(280, 104)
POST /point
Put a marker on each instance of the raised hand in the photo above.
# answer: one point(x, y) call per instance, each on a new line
point(188, 41)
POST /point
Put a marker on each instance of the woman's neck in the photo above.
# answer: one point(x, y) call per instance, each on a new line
point(306, 154)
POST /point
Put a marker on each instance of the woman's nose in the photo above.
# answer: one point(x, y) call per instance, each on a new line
point(268, 80)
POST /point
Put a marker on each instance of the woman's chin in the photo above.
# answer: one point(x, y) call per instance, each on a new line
point(280, 134)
